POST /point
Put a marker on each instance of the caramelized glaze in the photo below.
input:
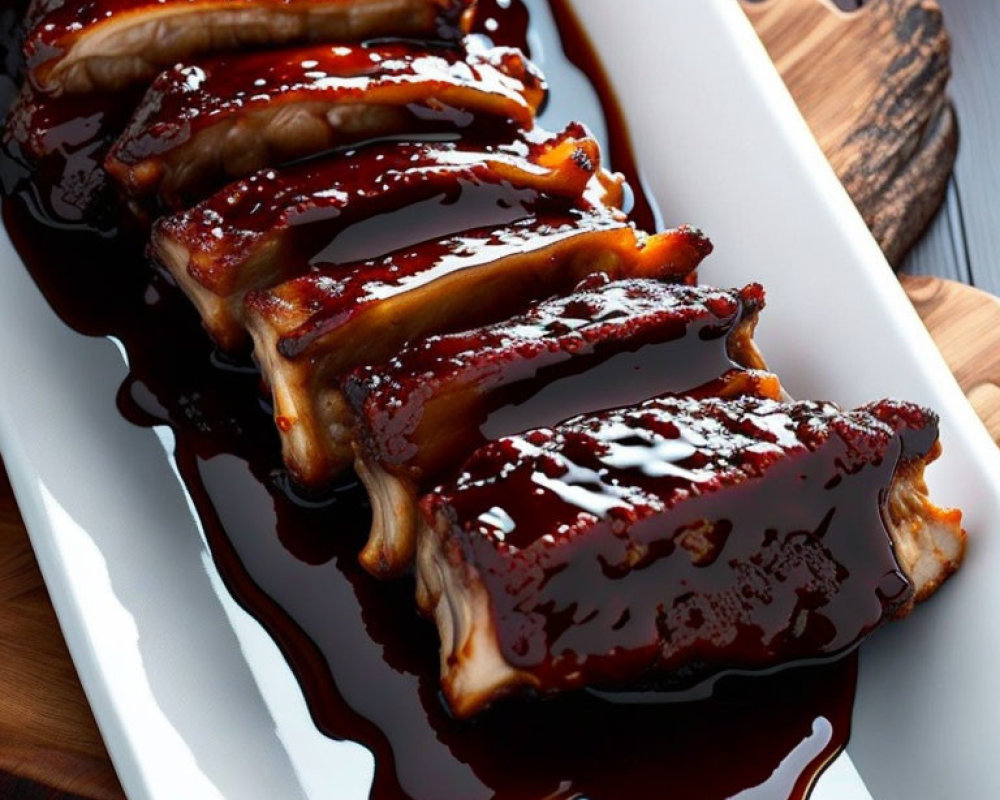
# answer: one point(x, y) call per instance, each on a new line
point(606, 344)
point(684, 537)
point(366, 661)
point(178, 29)
point(532, 256)
point(313, 202)
point(331, 95)
point(184, 99)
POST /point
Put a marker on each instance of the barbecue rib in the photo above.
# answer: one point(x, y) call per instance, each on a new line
point(679, 539)
point(606, 344)
point(90, 45)
point(310, 331)
point(265, 229)
point(712, 527)
point(199, 125)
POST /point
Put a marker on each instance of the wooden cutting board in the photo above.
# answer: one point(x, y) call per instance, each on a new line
point(965, 324)
point(871, 83)
point(872, 86)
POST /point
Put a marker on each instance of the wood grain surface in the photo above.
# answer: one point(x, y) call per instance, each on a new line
point(47, 731)
point(871, 85)
point(965, 324)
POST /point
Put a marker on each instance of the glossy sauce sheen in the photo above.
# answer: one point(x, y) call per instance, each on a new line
point(71, 137)
point(328, 299)
point(689, 536)
point(472, 278)
point(61, 18)
point(189, 98)
point(605, 344)
point(310, 205)
point(366, 660)
point(57, 25)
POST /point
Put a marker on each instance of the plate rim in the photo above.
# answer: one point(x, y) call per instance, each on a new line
point(29, 484)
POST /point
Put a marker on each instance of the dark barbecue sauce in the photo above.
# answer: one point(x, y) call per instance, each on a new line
point(367, 662)
point(565, 356)
point(649, 534)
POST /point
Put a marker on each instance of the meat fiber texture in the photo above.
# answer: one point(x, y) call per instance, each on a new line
point(202, 124)
point(108, 45)
point(667, 543)
point(605, 344)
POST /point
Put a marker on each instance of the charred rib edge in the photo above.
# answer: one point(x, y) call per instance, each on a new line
point(929, 541)
point(391, 542)
point(473, 671)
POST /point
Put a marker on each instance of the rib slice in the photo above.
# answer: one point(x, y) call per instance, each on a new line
point(310, 331)
point(606, 344)
point(667, 543)
point(87, 45)
point(265, 229)
point(201, 124)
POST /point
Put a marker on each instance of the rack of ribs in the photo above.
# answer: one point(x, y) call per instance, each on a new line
point(265, 229)
point(670, 542)
point(91, 45)
point(606, 344)
point(201, 124)
point(310, 331)
point(434, 287)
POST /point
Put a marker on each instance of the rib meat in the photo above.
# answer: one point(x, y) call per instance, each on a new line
point(667, 543)
point(201, 124)
point(90, 45)
point(606, 344)
point(310, 331)
point(265, 229)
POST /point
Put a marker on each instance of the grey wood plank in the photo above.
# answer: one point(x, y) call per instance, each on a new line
point(975, 88)
point(941, 250)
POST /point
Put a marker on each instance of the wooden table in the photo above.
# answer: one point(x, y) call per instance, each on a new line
point(962, 243)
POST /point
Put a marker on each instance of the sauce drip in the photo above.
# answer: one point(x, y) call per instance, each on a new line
point(367, 662)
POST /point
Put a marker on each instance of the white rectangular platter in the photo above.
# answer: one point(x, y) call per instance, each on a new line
point(192, 696)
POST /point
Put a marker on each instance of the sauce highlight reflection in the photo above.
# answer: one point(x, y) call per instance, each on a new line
point(367, 662)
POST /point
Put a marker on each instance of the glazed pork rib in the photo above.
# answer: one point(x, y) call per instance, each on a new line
point(667, 543)
point(310, 331)
point(264, 229)
point(608, 343)
point(202, 124)
point(86, 45)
